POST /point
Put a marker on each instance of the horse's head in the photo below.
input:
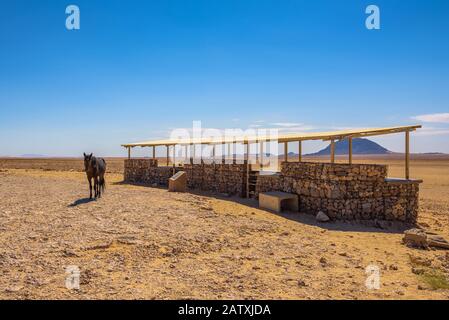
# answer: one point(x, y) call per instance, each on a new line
point(87, 159)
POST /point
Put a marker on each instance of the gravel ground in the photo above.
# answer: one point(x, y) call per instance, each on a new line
point(145, 243)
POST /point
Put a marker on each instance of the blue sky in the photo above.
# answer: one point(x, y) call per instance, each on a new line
point(137, 69)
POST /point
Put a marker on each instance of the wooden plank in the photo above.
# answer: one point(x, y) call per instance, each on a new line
point(407, 155)
point(257, 153)
point(350, 149)
point(332, 151)
point(168, 155)
point(286, 151)
point(247, 170)
point(366, 133)
point(333, 135)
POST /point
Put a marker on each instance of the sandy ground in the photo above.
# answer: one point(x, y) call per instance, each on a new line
point(145, 243)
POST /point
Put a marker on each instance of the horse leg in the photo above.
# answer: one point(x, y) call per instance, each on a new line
point(99, 186)
point(96, 186)
point(90, 187)
point(102, 182)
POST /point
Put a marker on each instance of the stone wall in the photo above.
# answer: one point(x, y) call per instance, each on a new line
point(146, 171)
point(347, 192)
point(228, 179)
point(342, 191)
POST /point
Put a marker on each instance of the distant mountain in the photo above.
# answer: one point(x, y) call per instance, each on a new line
point(359, 146)
point(32, 155)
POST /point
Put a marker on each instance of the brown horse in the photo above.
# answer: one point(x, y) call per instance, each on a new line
point(95, 169)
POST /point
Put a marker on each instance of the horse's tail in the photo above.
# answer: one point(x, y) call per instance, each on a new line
point(102, 184)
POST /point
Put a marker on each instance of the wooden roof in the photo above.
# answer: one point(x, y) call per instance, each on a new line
point(333, 135)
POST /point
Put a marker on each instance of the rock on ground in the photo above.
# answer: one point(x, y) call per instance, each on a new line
point(322, 217)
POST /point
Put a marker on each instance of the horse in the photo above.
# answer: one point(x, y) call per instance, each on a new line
point(95, 168)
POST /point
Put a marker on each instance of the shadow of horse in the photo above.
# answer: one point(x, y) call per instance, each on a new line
point(81, 201)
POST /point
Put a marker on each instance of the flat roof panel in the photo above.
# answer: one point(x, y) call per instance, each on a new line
point(332, 135)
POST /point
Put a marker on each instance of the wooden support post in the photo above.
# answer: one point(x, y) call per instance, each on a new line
point(299, 150)
point(234, 156)
point(286, 151)
point(192, 152)
point(223, 153)
point(168, 155)
point(154, 152)
point(332, 151)
point(257, 154)
point(213, 153)
point(247, 169)
point(229, 150)
point(174, 160)
point(350, 149)
point(129, 152)
point(261, 155)
point(407, 155)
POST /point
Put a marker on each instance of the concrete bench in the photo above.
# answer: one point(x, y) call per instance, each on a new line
point(178, 183)
point(277, 200)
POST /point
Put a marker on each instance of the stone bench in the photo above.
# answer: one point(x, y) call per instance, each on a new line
point(178, 183)
point(277, 200)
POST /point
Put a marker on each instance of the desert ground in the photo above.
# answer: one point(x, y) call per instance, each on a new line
point(138, 242)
